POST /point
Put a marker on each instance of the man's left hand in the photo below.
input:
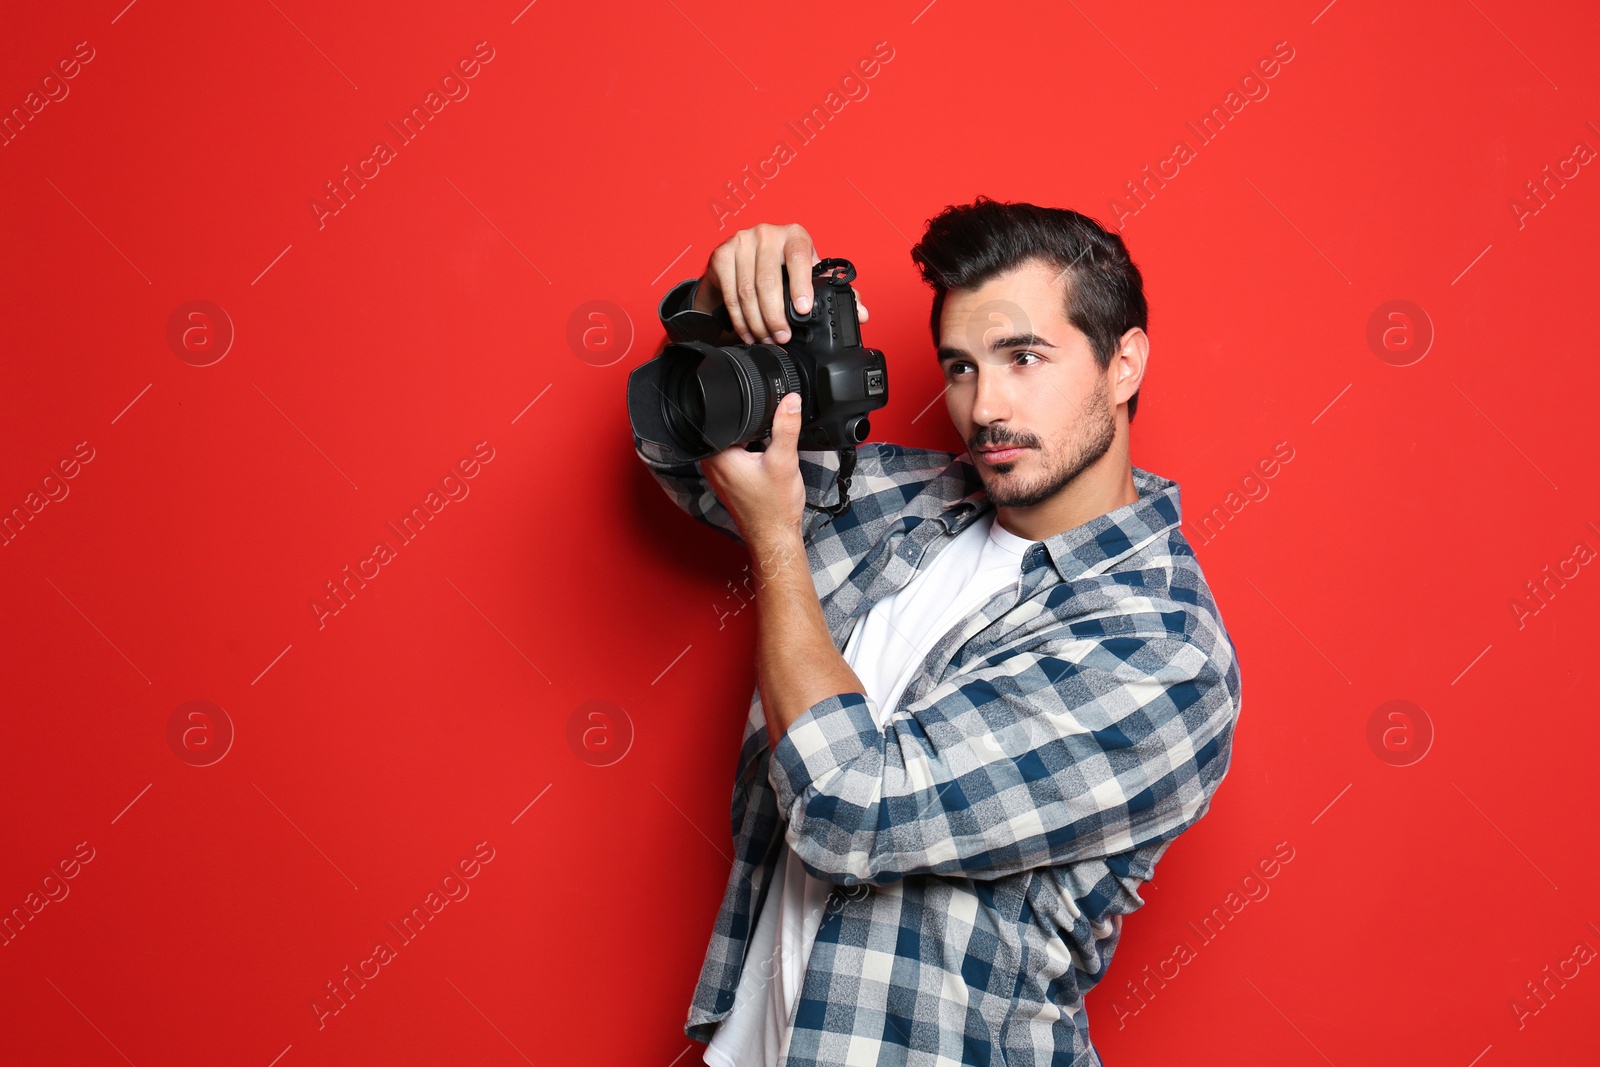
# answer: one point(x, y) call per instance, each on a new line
point(763, 491)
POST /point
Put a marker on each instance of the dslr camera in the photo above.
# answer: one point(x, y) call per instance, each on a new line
point(696, 399)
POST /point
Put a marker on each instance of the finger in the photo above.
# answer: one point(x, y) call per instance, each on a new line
point(727, 279)
point(720, 468)
point(861, 310)
point(785, 430)
point(800, 257)
point(744, 258)
point(769, 289)
point(815, 259)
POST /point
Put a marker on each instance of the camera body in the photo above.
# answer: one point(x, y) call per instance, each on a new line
point(696, 399)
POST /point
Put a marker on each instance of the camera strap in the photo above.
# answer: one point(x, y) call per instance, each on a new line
point(847, 466)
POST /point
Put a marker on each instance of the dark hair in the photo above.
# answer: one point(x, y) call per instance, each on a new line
point(966, 245)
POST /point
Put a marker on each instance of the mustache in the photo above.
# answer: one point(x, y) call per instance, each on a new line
point(995, 441)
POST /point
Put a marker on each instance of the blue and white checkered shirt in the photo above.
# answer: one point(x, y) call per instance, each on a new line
point(987, 841)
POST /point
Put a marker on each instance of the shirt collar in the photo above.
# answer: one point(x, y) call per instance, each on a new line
point(1090, 547)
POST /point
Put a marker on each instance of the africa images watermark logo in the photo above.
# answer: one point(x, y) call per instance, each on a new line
point(740, 191)
point(342, 590)
point(453, 887)
point(453, 87)
point(1138, 192)
point(1253, 887)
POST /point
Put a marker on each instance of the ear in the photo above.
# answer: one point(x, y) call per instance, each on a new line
point(1127, 365)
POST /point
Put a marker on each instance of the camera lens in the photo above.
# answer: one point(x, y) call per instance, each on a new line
point(683, 402)
point(713, 398)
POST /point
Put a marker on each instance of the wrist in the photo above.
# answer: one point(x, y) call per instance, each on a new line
point(772, 549)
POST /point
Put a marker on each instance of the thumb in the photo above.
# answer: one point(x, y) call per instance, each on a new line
point(786, 425)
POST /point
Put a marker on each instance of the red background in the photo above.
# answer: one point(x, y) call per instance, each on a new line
point(372, 353)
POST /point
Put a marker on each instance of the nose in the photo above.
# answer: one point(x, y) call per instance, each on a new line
point(991, 400)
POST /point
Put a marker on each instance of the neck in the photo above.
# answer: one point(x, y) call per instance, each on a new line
point(1105, 485)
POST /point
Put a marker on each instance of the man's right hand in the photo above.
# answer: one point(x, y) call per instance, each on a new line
point(745, 273)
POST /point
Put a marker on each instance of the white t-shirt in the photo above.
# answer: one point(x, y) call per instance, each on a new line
point(885, 650)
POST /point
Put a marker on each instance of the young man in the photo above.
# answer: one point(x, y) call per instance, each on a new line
point(939, 828)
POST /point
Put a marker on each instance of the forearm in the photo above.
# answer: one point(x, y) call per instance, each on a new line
point(796, 663)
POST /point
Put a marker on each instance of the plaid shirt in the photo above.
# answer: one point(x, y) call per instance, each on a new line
point(986, 842)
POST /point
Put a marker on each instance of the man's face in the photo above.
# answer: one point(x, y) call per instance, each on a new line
point(1018, 374)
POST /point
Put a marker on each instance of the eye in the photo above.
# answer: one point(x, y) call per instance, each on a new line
point(953, 369)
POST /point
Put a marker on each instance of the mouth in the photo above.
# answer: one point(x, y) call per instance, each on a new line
point(1001, 455)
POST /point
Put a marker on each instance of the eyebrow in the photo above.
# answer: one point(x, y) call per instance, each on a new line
point(1016, 340)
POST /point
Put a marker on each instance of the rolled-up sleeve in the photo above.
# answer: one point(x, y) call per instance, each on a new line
point(1074, 747)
